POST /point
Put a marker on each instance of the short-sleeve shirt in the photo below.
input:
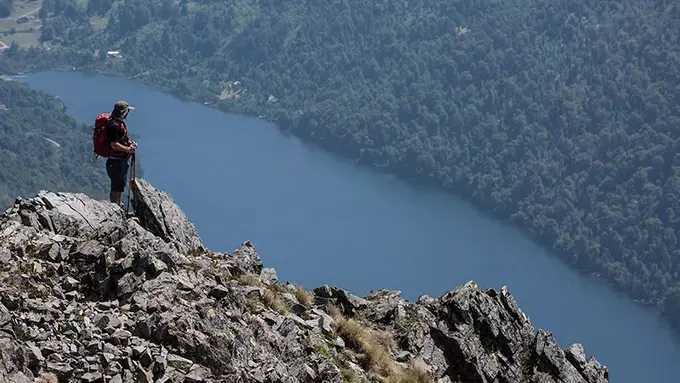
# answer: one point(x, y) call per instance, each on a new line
point(115, 132)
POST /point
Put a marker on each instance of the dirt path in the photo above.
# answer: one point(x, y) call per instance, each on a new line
point(28, 13)
point(20, 16)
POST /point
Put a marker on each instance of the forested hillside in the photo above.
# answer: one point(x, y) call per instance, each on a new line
point(42, 148)
point(563, 116)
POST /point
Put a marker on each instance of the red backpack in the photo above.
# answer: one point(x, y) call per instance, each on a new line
point(100, 143)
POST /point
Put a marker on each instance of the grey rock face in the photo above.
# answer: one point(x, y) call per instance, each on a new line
point(88, 295)
point(161, 216)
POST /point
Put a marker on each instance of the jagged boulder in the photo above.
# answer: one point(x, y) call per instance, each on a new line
point(89, 295)
point(159, 214)
point(472, 335)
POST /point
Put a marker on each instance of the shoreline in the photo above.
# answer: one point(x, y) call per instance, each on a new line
point(340, 150)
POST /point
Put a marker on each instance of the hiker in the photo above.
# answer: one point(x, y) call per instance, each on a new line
point(122, 147)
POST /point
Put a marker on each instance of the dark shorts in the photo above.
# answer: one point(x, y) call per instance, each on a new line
point(117, 169)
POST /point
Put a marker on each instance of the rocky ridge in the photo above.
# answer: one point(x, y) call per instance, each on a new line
point(88, 295)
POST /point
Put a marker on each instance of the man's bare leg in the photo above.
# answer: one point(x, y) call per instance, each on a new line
point(116, 197)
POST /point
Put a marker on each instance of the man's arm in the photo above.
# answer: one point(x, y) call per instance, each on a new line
point(122, 148)
point(114, 134)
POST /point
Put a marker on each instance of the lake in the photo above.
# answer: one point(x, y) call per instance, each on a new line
point(319, 219)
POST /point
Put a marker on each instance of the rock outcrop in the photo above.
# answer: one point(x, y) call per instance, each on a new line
point(88, 295)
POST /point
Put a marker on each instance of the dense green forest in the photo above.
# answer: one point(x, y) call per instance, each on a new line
point(42, 148)
point(563, 117)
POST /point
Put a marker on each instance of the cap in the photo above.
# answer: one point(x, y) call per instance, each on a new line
point(121, 106)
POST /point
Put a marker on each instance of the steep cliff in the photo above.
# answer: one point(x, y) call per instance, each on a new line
point(88, 295)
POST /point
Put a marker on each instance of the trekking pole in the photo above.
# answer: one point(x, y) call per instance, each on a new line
point(132, 178)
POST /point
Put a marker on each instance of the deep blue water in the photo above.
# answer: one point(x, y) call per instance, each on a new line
point(319, 219)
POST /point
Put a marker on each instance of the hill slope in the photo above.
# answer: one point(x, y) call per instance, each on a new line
point(42, 148)
point(562, 116)
point(90, 296)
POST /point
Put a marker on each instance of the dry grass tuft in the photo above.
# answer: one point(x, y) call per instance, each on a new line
point(376, 348)
point(411, 374)
point(47, 378)
point(334, 311)
point(350, 376)
point(303, 296)
point(273, 300)
point(279, 288)
point(249, 279)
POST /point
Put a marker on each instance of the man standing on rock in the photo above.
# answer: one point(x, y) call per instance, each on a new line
point(122, 149)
